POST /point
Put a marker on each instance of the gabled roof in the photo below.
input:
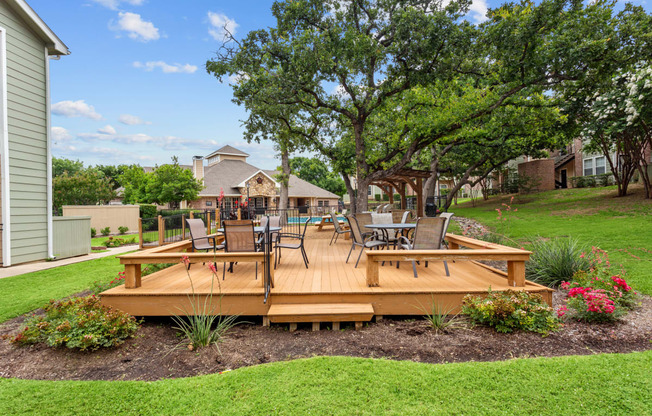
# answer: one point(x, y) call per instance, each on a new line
point(228, 150)
point(33, 20)
point(244, 181)
point(228, 174)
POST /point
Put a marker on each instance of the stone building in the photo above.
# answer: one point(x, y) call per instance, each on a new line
point(227, 173)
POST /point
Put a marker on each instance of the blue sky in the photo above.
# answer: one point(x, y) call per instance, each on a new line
point(134, 89)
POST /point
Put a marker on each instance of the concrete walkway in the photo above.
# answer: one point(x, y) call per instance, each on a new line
point(44, 265)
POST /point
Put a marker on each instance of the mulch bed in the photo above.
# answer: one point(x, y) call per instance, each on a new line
point(156, 352)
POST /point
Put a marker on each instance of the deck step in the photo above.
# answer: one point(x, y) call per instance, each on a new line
point(321, 312)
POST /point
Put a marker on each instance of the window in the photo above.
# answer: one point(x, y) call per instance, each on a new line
point(320, 203)
point(369, 191)
point(588, 167)
point(443, 186)
point(326, 203)
point(595, 166)
point(209, 203)
point(600, 165)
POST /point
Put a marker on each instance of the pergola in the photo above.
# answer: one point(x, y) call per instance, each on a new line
point(399, 180)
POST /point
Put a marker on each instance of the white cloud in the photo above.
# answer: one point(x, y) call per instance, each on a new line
point(131, 120)
point(219, 25)
point(59, 134)
point(114, 4)
point(165, 67)
point(136, 27)
point(478, 11)
point(75, 109)
point(163, 142)
point(108, 129)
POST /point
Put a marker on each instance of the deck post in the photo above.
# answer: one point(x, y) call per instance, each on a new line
point(372, 272)
point(183, 226)
point(133, 275)
point(239, 213)
point(516, 273)
point(161, 230)
point(208, 222)
point(140, 233)
point(192, 215)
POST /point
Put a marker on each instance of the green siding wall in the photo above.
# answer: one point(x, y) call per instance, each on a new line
point(26, 116)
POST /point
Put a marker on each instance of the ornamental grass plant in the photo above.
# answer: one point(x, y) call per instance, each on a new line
point(199, 325)
point(556, 260)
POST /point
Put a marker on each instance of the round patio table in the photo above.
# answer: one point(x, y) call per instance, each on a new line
point(258, 229)
point(384, 228)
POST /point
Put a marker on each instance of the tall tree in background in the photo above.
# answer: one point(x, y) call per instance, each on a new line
point(171, 184)
point(348, 60)
point(317, 173)
point(85, 187)
point(61, 165)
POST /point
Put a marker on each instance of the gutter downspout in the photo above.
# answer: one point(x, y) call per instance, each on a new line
point(48, 138)
point(4, 153)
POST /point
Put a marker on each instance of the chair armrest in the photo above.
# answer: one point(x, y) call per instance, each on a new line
point(404, 241)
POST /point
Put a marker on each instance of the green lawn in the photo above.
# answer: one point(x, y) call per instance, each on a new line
point(622, 226)
point(26, 292)
point(588, 385)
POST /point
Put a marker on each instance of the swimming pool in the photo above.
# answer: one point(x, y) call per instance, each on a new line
point(313, 220)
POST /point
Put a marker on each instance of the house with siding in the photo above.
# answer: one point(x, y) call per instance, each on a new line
point(26, 46)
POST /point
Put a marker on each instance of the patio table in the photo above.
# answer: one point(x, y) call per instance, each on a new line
point(384, 228)
point(258, 229)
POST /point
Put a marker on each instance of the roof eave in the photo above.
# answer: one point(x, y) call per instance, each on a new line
point(55, 46)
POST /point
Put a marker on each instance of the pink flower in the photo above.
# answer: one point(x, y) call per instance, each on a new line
point(212, 267)
point(185, 260)
point(561, 311)
point(565, 285)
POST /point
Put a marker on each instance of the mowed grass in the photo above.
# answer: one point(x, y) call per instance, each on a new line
point(621, 226)
point(587, 385)
point(23, 293)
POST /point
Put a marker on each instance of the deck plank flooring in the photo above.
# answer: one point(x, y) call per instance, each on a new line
point(328, 279)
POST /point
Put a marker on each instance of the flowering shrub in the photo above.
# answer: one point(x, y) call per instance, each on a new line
point(119, 241)
point(598, 294)
point(81, 323)
point(99, 287)
point(511, 310)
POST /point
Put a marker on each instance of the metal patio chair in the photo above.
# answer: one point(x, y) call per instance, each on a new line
point(239, 237)
point(300, 238)
point(428, 235)
point(447, 216)
point(338, 230)
point(274, 221)
point(359, 239)
point(199, 239)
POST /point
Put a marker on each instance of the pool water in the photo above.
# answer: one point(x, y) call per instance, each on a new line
point(313, 220)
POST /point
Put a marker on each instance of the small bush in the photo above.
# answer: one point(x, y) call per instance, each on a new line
point(511, 310)
point(106, 231)
point(555, 261)
point(147, 211)
point(81, 323)
point(598, 295)
point(122, 229)
point(118, 241)
point(93, 232)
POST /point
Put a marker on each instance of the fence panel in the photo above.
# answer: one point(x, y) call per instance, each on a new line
point(71, 236)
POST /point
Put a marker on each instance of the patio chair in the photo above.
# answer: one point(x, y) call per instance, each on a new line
point(428, 235)
point(447, 216)
point(239, 237)
point(370, 241)
point(300, 237)
point(199, 239)
point(274, 221)
point(364, 218)
point(398, 215)
point(338, 230)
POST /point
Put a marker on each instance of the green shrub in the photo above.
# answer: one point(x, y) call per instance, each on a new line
point(118, 241)
point(511, 310)
point(377, 197)
point(122, 229)
point(147, 211)
point(82, 323)
point(106, 231)
point(93, 232)
point(385, 197)
point(555, 261)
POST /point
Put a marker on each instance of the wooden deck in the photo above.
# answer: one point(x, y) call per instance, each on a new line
point(327, 281)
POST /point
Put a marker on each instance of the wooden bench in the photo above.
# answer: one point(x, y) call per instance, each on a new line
point(321, 312)
point(480, 250)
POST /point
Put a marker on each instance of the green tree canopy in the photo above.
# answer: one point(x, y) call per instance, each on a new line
point(85, 187)
point(316, 172)
point(171, 184)
point(61, 165)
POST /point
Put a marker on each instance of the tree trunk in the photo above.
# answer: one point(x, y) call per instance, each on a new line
point(430, 184)
point(362, 202)
point(350, 191)
point(285, 166)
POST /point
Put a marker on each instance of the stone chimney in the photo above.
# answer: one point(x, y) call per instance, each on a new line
point(198, 167)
